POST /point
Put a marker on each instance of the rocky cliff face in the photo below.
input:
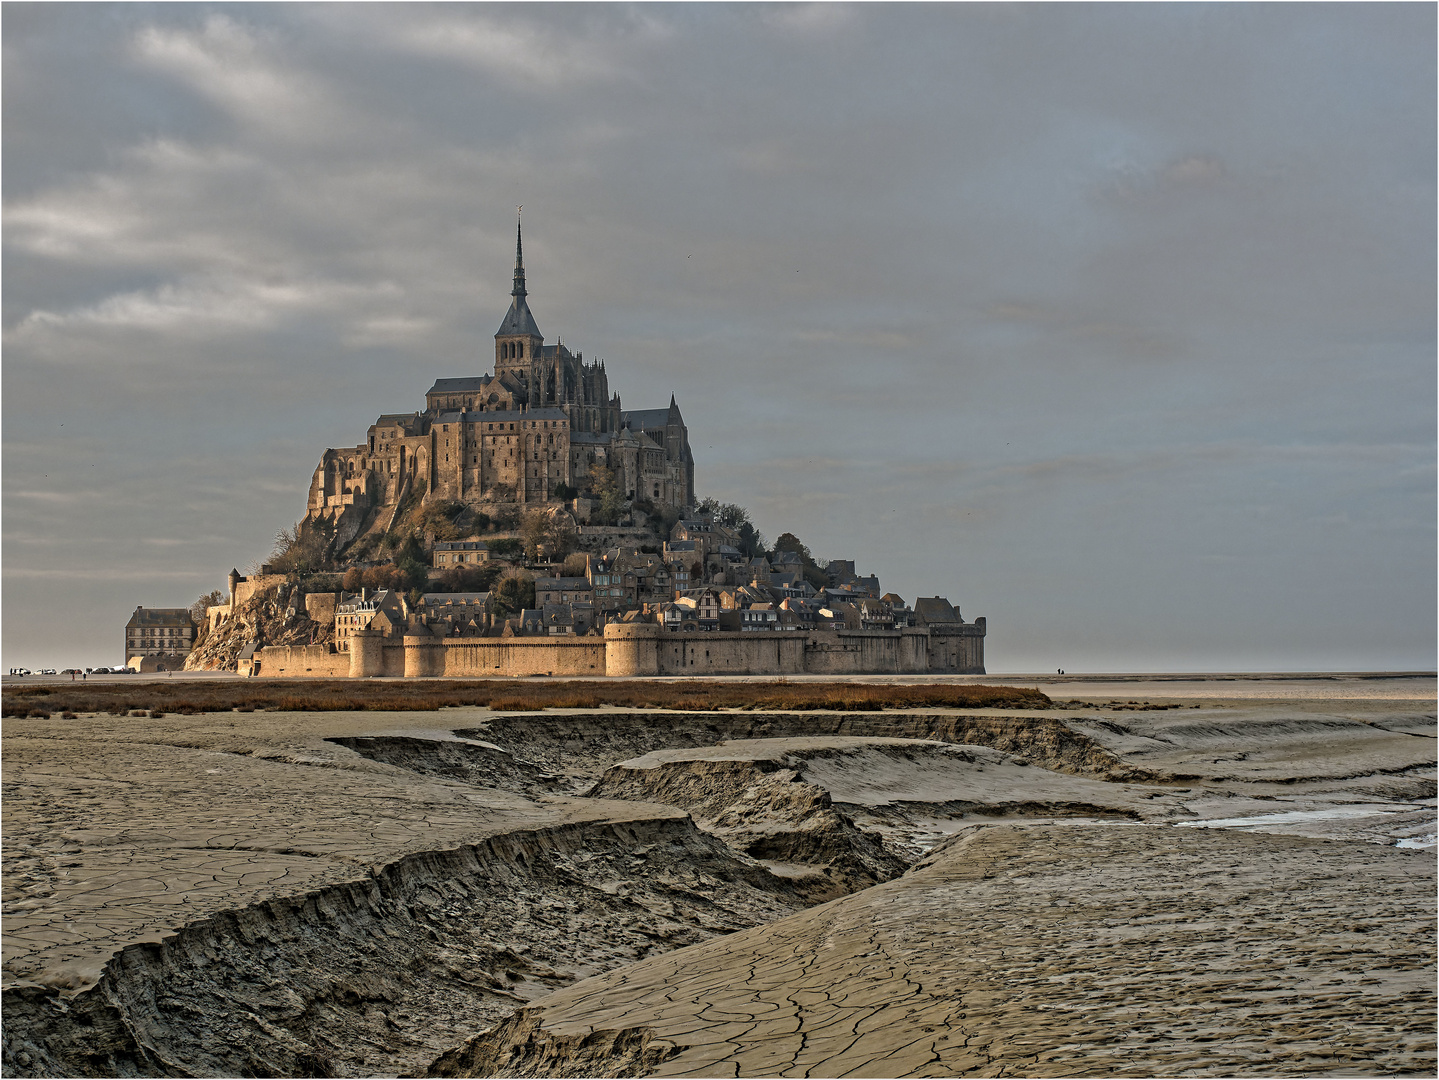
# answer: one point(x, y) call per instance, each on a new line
point(275, 616)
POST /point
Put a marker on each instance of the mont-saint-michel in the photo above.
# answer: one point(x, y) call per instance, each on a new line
point(526, 523)
point(436, 649)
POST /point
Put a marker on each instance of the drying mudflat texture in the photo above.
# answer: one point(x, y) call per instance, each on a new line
point(1113, 883)
point(1041, 951)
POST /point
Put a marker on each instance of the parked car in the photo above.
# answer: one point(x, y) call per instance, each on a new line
point(19, 671)
point(48, 671)
point(70, 671)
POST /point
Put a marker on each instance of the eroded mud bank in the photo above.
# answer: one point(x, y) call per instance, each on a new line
point(385, 973)
point(585, 744)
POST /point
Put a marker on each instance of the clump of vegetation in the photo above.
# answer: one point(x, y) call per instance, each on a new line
point(815, 574)
point(514, 592)
point(505, 547)
point(548, 531)
point(604, 486)
point(213, 598)
point(731, 516)
point(447, 520)
point(480, 577)
point(343, 695)
point(410, 576)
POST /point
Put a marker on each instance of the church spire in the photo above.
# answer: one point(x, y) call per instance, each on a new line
point(518, 320)
point(519, 289)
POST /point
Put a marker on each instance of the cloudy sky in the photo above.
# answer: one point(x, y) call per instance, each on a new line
point(1114, 324)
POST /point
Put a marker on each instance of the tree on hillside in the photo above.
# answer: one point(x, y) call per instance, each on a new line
point(515, 592)
point(353, 580)
point(213, 598)
point(468, 579)
point(548, 530)
point(300, 548)
point(605, 485)
point(790, 542)
point(735, 517)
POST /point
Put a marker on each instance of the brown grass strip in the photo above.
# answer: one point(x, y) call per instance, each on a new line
point(343, 695)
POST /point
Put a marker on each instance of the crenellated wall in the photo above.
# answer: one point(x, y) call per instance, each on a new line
point(642, 650)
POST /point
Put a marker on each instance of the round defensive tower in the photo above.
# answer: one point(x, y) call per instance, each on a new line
point(632, 649)
point(422, 653)
point(367, 654)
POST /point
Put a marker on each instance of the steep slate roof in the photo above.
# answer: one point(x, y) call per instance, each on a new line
point(934, 609)
point(645, 418)
point(444, 386)
point(160, 616)
point(518, 320)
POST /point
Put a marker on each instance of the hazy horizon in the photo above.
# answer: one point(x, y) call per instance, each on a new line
point(1115, 324)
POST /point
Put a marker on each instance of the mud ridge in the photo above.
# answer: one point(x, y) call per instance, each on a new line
point(387, 972)
point(478, 763)
point(766, 811)
point(585, 744)
point(521, 1047)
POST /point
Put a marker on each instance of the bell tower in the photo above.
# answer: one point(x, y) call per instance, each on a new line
point(518, 342)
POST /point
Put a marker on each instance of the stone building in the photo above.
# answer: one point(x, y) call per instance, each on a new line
point(542, 419)
point(159, 637)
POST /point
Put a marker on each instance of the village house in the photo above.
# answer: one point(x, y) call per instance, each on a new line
point(759, 617)
point(563, 590)
point(451, 553)
point(383, 610)
point(159, 639)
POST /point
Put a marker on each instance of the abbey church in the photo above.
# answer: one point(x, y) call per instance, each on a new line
point(542, 420)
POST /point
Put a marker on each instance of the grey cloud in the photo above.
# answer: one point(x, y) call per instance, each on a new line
point(1047, 307)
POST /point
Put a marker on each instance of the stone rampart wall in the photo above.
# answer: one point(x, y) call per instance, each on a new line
point(314, 661)
point(856, 652)
point(256, 583)
point(957, 649)
point(642, 650)
point(320, 606)
point(735, 653)
point(497, 657)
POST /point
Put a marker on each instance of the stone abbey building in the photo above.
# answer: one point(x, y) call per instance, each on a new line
point(542, 419)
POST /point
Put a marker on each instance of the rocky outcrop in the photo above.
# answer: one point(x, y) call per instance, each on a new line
point(276, 616)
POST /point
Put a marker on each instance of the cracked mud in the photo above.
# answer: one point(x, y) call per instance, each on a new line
point(630, 893)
